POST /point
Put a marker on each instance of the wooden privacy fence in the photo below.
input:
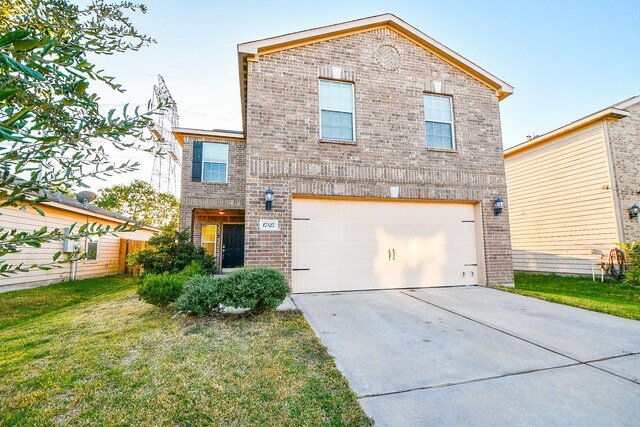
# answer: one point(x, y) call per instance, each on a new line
point(128, 246)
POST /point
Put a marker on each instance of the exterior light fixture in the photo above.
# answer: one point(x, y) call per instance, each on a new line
point(268, 199)
point(633, 212)
point(498, 205)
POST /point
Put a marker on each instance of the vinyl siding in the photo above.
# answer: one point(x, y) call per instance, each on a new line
point(558, 209)
point(107, 262)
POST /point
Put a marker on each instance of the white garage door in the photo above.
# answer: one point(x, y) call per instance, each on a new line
point(351, 245)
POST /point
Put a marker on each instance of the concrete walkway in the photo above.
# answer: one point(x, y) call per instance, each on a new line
point(478, 356)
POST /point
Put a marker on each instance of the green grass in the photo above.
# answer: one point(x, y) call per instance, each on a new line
point(608, 297)
point(90, 353)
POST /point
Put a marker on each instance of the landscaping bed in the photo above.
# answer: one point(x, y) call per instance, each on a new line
point(614, 298)
point(90, 352)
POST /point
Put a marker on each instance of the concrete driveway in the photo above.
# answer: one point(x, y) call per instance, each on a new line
point(478, 356)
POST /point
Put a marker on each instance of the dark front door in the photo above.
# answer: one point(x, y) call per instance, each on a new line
point(232, 245)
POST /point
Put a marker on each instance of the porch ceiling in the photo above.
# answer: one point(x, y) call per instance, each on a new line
point(218, 212)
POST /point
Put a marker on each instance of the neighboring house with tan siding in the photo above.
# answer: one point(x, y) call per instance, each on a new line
point(383, 150)
point(571, 191)
point(105, 254)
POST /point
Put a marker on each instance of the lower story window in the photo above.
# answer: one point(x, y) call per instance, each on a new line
point(209, 232)
point(92, 249)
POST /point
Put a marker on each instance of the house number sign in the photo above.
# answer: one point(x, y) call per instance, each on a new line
point(268, 225)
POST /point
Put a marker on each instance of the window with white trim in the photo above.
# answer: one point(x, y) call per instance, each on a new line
point(92, 248)
point(215, 158)
point(438, 118)
point(337, 118)
point(208, 239)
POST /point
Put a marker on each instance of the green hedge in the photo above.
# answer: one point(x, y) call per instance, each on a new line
point(257, 289)
point(160, 289)
point(163, 289)
point(202, 295)
point(254, 289)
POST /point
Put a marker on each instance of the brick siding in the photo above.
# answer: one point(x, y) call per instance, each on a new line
point(283, 151)
point(209, 195)
point(624, 137)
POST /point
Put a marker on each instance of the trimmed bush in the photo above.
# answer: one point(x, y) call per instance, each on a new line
point(160, 289)
point(255, 288)
point(202, 295)
point(194, 269)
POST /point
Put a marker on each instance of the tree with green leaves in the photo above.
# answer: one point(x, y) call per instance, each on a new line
point(49, 115)
point(139, 201)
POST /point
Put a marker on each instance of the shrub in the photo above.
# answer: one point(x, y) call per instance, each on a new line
point(194, 269)
point(632, 256)
point(202, 295)
point(170, 252)
point(160, 289)
point(255, 288)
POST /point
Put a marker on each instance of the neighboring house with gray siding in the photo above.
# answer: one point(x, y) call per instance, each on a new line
point(571, 191)
point(383, 150)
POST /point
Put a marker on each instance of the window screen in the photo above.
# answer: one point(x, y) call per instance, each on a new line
point(336, 111)
point(214, 162)
point(438, 118)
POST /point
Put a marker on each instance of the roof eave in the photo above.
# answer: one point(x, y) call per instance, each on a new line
point(180, 133)
point(610, 113)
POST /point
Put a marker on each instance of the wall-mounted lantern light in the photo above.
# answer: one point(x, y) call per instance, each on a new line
point(268, 199)
point(497, 206)
point(633, 212)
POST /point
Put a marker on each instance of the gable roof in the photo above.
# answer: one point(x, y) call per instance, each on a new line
point(614, 112)
point(71, 204)
point(250, 51)
point(180, 133)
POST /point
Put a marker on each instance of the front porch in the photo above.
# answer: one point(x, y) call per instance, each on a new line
point(221, 232)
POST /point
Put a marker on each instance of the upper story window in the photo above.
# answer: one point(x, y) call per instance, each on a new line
point(438, 117)
point(210, 162)
point(337, 116)
point(214, 162)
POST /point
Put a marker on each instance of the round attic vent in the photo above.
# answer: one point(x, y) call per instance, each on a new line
point(388, 57)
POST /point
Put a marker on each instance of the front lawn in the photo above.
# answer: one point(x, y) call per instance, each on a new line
point(608, 297)
point(90, 353)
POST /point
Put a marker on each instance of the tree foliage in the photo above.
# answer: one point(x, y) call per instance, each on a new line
point(49, 115)
point(139, 201)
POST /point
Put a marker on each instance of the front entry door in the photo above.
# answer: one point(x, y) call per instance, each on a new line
point(232, 245)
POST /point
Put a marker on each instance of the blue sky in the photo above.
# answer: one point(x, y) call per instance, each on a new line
point(566, 59)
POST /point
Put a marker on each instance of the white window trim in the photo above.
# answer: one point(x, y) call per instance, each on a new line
point(86, 249)
point(352, 112)
point(453, 128)
point(215, 239)
point(226, 177)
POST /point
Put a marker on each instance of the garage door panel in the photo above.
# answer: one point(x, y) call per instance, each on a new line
point(351, 245)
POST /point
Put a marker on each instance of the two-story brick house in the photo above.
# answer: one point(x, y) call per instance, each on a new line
point(383, 151)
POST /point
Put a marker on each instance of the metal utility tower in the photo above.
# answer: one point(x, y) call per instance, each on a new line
point(165, 175)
